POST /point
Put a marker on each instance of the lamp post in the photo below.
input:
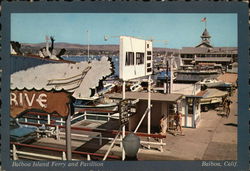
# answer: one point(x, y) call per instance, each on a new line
point(131, 145)
point(88, 42)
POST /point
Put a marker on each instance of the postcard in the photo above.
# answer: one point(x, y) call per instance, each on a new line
point(128, 85)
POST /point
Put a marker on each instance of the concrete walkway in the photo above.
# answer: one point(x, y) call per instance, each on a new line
point(215, 138)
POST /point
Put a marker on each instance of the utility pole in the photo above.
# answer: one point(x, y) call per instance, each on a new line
point(123, 127)
point(171, 74)
point(149, 107)
point(88, 43)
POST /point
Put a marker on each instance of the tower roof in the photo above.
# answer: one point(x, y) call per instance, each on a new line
point(205, 40)
point(205, 34)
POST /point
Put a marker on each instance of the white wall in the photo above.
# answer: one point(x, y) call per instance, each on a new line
point(186, 89)
point(131, 44)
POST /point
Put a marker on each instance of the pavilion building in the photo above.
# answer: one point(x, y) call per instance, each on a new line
point(205, 53)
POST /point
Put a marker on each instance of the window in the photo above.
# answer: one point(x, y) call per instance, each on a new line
point(129, 58)
point(149, 53)
point(149, 69)
point(148, 64)
point(139, 58)
point(147, 45)
point(149, 58)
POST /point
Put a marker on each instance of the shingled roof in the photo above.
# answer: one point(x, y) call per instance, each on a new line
point(205, 50)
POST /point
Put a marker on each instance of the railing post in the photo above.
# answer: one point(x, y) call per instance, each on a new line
point(85, 115)
point(57, 132)
point(64, 155)
point(100, 139)
point(61, 121)
point(161, 148)
point(121, 141)
point(88, 157)
point(108, 116)
point(14, 151)
point(48, 118)
point(38, 120)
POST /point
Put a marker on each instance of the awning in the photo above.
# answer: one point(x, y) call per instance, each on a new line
point(144, 96)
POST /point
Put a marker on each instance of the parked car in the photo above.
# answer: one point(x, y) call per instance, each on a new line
point(20, 133)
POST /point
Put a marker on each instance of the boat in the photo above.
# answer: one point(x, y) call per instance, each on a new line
point(136, 86)
point(212, 98)
point(214, 83)
point(106, 88)
point(98, 103)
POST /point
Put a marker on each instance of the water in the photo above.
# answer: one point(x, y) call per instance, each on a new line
point(114, 59)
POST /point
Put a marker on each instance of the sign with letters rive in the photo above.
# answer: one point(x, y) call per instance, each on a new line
point(47, 101)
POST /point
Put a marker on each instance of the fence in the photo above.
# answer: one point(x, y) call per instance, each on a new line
point(34, 155)
point(100, 137)
point(84, 113)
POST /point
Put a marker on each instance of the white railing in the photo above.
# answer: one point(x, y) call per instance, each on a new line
point(85, 114)
point(118, 140)
point(111, 145)
point(15, 154)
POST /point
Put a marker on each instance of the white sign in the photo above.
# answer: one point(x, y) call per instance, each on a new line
point(135, 58)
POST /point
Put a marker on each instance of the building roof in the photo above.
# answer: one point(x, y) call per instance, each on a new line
point(205, 50)
point(204, 44)
point(212, 92)
point(144, 96)
point(213, 59)
point(193, 77)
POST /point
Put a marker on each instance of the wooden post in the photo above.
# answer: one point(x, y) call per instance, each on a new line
point(194, 113)
point(85, 115)
point(123, 127)
point(186, 113)
point(61, 123)
point(64, 156)
point(161, 148)
point(88, 157)
point(171, 75)
point(48, 118)
point(68, 134)
point(108, 116)
point(38, 119)
point(149, 107)
point(14, 152)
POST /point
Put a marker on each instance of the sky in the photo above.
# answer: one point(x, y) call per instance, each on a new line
point(178, 29)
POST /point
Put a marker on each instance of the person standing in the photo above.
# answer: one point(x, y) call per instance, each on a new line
point(164, 124)
point(178, 121)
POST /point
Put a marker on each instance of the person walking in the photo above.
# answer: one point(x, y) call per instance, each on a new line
point(228, 103)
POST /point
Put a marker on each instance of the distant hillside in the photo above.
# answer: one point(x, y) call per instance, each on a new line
point(75, 46)
point(61, 45)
